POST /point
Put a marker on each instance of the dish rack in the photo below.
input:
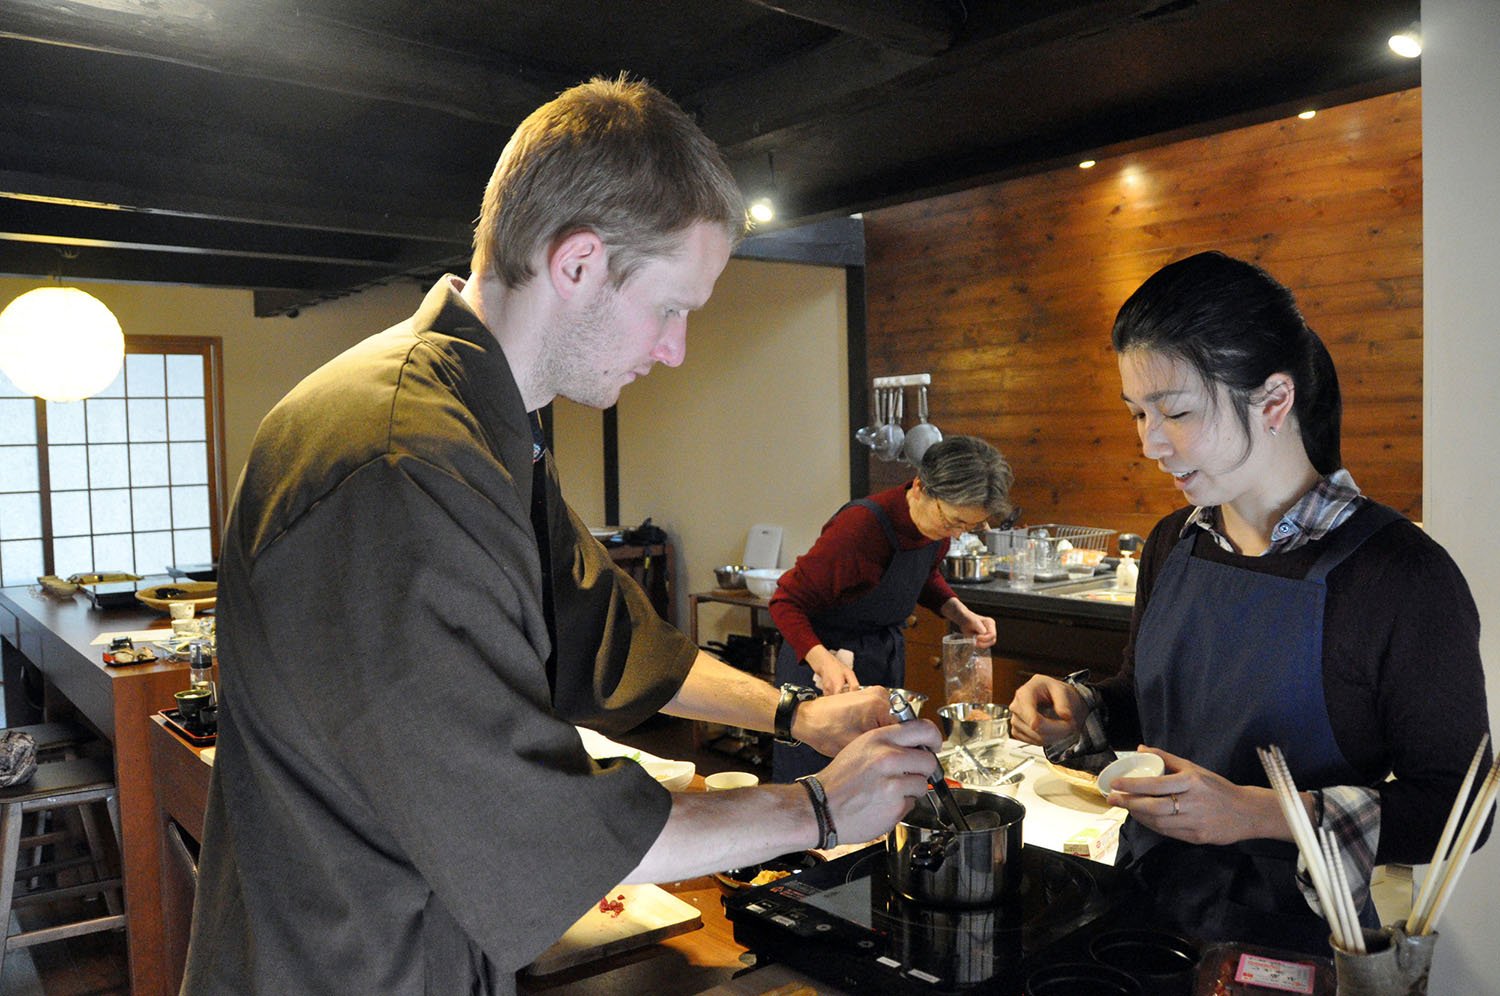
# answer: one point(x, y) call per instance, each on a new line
point(1081, 537)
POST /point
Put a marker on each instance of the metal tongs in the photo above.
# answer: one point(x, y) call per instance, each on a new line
point(937, 785)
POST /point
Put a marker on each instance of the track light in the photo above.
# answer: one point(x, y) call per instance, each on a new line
point(1407, 42)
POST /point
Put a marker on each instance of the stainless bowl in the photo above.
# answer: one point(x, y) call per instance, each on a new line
point(973, 722)
point(914, 699)
point(730, 576)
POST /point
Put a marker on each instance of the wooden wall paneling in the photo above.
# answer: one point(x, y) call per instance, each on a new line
point(1006, 294)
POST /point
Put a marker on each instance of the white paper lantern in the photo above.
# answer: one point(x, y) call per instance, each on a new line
point(60, 344)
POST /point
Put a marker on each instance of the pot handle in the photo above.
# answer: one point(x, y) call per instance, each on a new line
point(929, 854)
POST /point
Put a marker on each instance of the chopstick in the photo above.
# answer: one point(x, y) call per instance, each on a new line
point(1452, 866)
point(1423, 906)
point(1343, 899)
point(1312, 855)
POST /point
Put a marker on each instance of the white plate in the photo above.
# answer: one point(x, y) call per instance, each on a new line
point(1130, 764)
point(673, 775)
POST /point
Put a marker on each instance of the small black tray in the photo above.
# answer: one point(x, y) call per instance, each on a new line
point(174, 722)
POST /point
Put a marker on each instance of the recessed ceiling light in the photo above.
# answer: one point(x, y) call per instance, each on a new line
point(1407, 43)
point(1087, 164)
point(762, 210)
point(1308, 114)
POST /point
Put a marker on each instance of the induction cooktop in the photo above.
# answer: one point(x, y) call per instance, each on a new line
point(842, 922)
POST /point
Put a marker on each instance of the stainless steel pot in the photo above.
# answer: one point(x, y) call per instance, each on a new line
point(929, 863)
point(969, 566)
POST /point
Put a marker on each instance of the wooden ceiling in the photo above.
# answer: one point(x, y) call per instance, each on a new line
point(307, 149)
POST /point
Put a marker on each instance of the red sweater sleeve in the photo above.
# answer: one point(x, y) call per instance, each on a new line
point(848, 559)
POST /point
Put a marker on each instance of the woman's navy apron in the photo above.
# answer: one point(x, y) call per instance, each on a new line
point(870, 626)
point(1228, 660)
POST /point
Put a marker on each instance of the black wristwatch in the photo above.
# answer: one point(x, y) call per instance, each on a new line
point(791, 697)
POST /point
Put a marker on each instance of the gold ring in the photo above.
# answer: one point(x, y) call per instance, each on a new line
point(1175, 810)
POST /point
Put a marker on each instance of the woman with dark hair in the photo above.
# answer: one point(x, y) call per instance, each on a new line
point(1281, 606)
point(842, 608)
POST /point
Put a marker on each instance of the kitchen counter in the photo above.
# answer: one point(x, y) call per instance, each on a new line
point(1044, 630)
point(705, 961)
point(1049, 600)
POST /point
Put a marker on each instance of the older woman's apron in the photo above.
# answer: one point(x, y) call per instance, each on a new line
point(1228, 660)
point(870, 626)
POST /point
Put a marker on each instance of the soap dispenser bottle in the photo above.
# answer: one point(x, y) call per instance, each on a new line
point(1126, 572)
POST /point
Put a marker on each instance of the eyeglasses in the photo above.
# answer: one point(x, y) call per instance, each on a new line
point(952, 523)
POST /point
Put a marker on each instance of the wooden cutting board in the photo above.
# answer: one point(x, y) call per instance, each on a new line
point(651, 914)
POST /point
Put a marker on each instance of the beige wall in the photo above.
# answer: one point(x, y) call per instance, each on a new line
point(263, 357)
point(750, 429)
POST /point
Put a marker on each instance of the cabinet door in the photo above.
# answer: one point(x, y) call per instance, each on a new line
point(924, 657)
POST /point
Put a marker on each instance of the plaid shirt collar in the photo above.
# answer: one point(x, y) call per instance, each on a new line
point(1332, 500)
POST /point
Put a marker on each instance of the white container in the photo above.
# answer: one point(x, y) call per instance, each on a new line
point(762, 580)
point(725, 780)
point(1126, 573)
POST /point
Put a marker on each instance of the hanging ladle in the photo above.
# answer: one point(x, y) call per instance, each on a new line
point(923, 434)
point(891, 435)
point(866, 434)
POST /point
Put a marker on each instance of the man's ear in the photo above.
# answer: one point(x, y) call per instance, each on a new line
point(578, 263)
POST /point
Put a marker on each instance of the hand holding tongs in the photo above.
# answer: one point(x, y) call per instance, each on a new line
point(937, 783)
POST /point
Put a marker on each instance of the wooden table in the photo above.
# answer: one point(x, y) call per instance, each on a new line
point(55, 636)
point(723, 596)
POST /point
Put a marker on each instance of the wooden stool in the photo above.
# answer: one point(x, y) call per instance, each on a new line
point(59, 740)
point(56, 786)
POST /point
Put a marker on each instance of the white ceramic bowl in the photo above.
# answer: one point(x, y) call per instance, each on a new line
point(762, 580)
point(1130, 764)
point(673, 775)
point(730, 780)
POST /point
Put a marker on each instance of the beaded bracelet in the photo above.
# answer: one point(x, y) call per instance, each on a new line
point(828, 835)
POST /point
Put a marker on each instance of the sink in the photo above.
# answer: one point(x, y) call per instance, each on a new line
point(1097, 589)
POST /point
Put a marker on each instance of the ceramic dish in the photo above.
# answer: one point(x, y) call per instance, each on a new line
point(1131, 764)
point(673, 775)
point(199, 594)
point(1074, 777)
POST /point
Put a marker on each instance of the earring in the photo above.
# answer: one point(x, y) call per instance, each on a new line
point(1272, 430)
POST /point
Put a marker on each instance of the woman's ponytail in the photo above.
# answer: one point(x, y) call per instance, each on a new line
point(1319, 406)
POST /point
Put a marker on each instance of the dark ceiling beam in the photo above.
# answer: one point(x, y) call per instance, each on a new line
point(1022, 35)
point(798, 89)
point(36, 260)
point(258, 39)
point(831, 242)
point(917, 27)
point(64, 224)
point(122, 197)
